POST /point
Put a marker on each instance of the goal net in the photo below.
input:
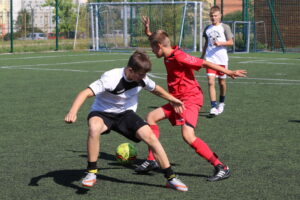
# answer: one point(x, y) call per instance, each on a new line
point(118, 25)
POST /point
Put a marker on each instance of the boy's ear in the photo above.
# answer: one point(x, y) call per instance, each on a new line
point(129, 68)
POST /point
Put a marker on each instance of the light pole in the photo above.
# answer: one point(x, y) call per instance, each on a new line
point(32, 8)
point(1, 24)
point(32, 17)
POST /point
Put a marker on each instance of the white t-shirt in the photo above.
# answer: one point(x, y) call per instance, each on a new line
point(115, 94)
point(221, 33)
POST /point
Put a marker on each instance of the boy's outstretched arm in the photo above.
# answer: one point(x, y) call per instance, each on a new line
point(79, 100)
point(146, 22)
point(232, 74)
point(176, 103)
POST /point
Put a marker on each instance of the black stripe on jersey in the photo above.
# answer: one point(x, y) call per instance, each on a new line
point(124, 85)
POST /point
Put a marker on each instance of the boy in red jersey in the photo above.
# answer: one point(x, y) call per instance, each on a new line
point(183, 85)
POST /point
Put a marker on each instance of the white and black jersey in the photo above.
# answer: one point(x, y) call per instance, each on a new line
point(115, 94)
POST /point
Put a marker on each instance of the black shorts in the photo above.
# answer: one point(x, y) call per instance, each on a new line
point(126, 123)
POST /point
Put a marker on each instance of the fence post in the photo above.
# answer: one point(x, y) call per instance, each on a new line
point(276, 26)
point(56, 26)
point(11, 27)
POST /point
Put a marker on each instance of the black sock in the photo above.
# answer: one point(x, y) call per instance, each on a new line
point(222, 99)
point(169, 173)
point(92, 166)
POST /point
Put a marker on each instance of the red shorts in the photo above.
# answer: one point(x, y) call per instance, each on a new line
point(211, 72)
point(189, 115)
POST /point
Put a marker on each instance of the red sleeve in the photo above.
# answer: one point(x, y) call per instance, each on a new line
point(189, 61)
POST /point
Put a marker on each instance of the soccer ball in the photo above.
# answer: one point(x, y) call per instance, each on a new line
point(126, 153)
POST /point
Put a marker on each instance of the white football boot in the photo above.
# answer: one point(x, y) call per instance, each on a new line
point(213, 111)
point(176, 184)
point(89, 180)
point(221, 108)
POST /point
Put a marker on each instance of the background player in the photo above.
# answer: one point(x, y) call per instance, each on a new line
point(217, 37)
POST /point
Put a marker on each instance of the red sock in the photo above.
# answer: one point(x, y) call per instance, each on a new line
point(203, 150)
point(155, 130)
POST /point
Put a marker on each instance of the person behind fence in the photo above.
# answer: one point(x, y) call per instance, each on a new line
point(183, 85)
point(217, 37)
point(114, 109)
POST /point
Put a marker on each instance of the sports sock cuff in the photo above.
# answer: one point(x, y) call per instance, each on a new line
point(92, 166)
point(154, 127)
point(213, 104)
point(222, 99)
point(169, 173)
point(155, 130)
point(95, 171)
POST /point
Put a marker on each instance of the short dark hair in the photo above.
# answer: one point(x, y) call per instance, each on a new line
point(139, 61)
point(215, 9)
point(159, 37)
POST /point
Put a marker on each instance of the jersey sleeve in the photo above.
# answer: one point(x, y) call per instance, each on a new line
point(149, 84)
point(101, 84)
point(227, 32)
point(187, 60)
point(204, 33)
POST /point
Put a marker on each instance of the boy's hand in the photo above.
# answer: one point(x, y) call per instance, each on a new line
point(238, 73)
point(70, 117)
point(177, 105)
point(217, 43)
point(146, 22)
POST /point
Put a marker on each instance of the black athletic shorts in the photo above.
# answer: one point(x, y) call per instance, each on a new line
point(126, 123)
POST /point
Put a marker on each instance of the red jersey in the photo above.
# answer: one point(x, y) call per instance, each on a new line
point(182, 82)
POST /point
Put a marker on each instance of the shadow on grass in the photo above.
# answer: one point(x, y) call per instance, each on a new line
point(297, 121)
point(137, 162)
point(70, 178)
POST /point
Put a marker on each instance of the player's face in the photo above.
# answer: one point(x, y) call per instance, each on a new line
point(157, 51)
point(135, 76)
point(215, 17)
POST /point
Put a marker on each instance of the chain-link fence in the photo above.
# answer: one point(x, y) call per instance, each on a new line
point(34, 25)
point(273, 24)
point(281, 20)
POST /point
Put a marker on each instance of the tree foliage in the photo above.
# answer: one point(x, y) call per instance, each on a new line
point(66, 14)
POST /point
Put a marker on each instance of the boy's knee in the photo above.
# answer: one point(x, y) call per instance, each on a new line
point(95, 131)
point(150, 118)
point(211, 82)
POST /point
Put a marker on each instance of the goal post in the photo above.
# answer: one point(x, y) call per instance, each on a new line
point(117, 26)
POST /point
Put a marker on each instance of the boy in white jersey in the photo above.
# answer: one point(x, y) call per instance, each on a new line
point(217, 37)
point(114, 109)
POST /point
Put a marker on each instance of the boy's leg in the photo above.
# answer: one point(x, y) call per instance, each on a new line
point(152, 118)
point(144, 133)
point(212, 95)
point(96, 127)
point(223, 89)
point(202, 149)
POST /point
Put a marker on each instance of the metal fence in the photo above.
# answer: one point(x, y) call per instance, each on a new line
point(274, 24)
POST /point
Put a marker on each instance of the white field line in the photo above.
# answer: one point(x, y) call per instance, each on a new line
point(258, 58)
point(58, 56)
point(157, 75)
point(56, 64)
point(267, 62)
point(163, 76)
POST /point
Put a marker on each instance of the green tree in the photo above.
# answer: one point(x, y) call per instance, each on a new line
point(23, 24)
point(66, 14)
